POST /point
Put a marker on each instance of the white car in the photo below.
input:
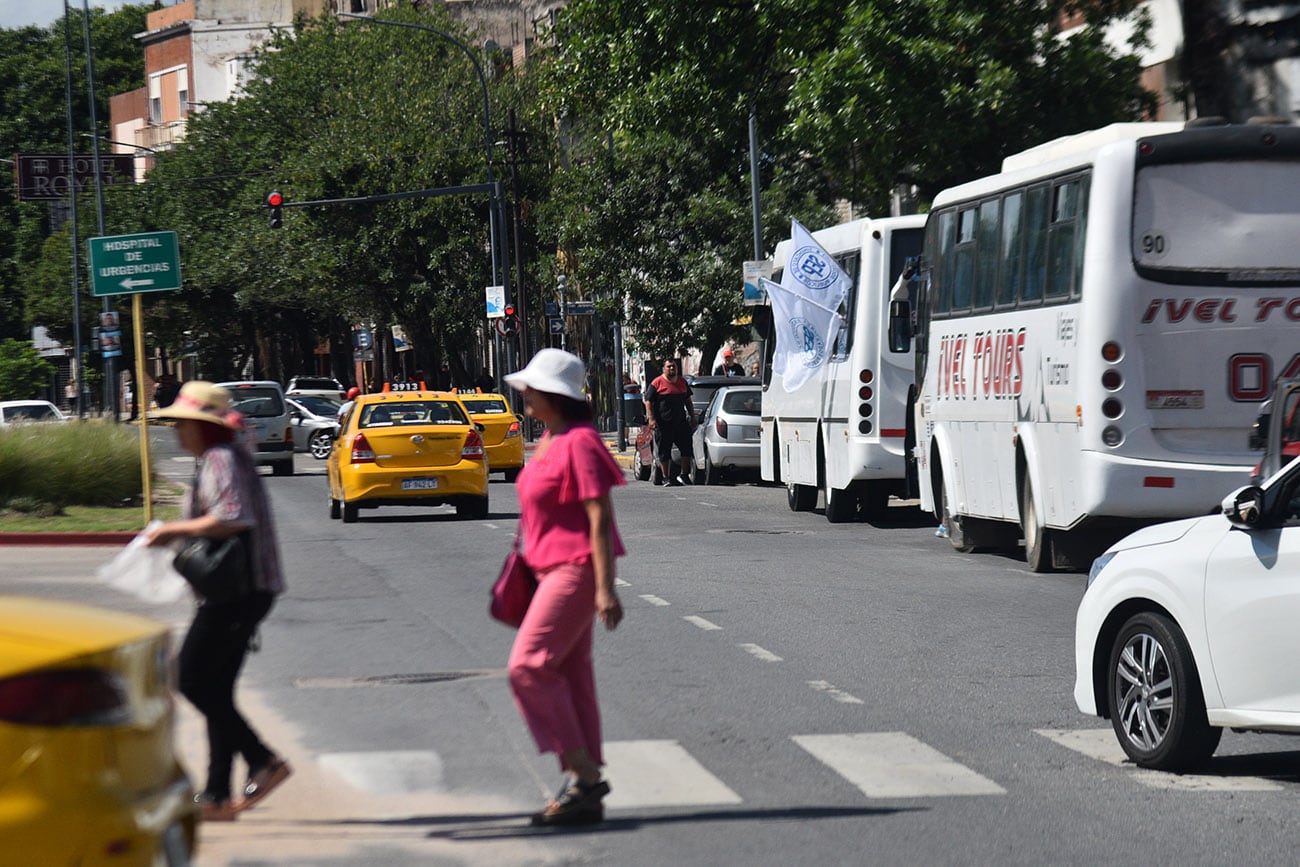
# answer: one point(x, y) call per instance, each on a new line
point(25, 411)
point(1193, 626)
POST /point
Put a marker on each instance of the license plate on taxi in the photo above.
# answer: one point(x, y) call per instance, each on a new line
point(419, 484)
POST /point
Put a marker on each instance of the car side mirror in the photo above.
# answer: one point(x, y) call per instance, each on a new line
point(900, 326)
point(1244, 507)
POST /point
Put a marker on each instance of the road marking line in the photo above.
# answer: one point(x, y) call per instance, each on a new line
point(895, 765)
point(490, 525)
point(660, 774)
point(706, 625)
point(654, 600)
point(619, 582)
point(834, 692)
point(1100, 744)
point(759, 653)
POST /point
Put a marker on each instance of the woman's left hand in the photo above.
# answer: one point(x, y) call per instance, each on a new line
point(608, 609)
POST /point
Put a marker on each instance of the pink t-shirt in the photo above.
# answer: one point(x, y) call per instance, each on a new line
point(554, 526)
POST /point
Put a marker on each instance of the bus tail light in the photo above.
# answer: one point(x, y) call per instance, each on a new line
point(362, 453)
point(865, 410)
point(864, 427)
point(866, 376)
point(1112, 379)
point(1112, 435)
point(1158, 482)
point(865, 393)
point(1110, 351)
point(1112, 408)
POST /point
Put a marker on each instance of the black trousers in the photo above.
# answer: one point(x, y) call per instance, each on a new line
point(672, 434)
point(208, 666)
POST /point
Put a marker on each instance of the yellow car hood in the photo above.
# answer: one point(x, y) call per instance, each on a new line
point(39, 632)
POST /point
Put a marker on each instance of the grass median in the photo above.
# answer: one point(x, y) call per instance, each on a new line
point(76, 478)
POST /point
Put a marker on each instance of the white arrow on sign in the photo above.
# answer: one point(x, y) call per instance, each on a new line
point(129, 284)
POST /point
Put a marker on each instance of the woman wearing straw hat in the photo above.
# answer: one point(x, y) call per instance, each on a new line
point(568, 537)
point(227, 498)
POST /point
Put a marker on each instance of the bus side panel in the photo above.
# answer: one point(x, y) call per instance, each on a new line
point(767, 449)
point(789, 434)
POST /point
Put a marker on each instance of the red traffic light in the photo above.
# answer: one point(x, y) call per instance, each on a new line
point(510, 310)
point(274, 199)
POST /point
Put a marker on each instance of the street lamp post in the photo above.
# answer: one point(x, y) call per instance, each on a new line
point(495, 218)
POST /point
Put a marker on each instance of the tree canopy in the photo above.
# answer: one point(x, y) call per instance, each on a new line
point(635, 183)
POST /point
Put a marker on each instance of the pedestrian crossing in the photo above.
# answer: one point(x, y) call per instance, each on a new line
point(888, 765)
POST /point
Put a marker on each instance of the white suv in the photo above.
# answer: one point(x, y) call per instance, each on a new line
point(316, 386)
point(266, 420)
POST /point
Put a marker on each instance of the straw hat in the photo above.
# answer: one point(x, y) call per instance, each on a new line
point(553, 371)
point(201, 401)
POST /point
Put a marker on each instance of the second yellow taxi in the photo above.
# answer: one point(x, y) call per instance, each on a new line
point(502, 432)
point(411, 447)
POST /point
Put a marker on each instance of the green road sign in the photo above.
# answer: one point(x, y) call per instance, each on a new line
point(125, 264)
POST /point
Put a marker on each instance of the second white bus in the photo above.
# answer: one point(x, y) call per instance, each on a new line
point(841, 434)
point(1096, 327)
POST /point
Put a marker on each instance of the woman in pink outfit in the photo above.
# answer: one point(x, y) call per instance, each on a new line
point(568, 537)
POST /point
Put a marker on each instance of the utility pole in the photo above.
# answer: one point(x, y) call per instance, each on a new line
point(518, 145)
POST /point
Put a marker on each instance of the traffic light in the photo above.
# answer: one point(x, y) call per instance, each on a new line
point(275, 202)
point(511, 322)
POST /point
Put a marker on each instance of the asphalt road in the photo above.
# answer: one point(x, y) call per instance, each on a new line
point(783, 691)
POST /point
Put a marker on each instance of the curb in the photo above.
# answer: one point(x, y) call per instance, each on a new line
point(110, 538)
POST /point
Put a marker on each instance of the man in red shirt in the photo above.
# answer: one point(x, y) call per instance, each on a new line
point(670, 413)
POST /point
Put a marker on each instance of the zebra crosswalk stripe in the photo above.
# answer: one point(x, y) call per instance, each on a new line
point(895, 765)
point(1100, 744)
point(660, 774)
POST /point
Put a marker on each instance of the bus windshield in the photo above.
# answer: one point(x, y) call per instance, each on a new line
point(1234, 219)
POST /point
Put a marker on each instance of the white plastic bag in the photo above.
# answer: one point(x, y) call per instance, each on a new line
point(144, 572)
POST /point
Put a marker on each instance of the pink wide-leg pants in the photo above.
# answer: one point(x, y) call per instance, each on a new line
point(551, 673)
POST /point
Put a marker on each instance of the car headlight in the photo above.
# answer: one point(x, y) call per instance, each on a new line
point(1099, 564)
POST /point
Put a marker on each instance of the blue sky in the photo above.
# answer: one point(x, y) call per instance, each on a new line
point(20, 13)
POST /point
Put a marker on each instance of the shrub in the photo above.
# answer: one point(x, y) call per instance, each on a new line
point(70, 464)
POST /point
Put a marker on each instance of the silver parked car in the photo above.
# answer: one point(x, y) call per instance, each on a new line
point(727, 437)
point(315, 424)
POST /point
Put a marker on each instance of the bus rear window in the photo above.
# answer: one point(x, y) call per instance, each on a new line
point(1225, 221)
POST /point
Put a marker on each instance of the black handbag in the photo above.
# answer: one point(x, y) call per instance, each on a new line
point(219, 570)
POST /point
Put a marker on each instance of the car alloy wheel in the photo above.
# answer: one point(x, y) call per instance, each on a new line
point(1156, 704)
point(320, 444)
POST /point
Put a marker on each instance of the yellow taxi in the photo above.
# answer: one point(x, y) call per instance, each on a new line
point(408, 446)
point(88, 765)
point(502, 431)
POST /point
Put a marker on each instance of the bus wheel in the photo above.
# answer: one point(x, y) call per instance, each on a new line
point(956, 532)
point(1038, 539)
point(841, 505)
point(802, 498)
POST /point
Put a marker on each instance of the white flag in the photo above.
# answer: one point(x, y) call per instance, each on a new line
point(811, 273)
point(805, 309)
point(805, 333)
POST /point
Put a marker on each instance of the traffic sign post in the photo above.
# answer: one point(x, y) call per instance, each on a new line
point(143, 262)
point(130, 265)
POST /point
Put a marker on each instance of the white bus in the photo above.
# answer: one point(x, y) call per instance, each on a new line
point(842, 434)
point(1095, 329)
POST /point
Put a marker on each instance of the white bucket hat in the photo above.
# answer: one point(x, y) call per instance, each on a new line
point(553, 371)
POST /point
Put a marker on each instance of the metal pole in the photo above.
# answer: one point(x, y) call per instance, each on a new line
point(79, 369)
point(618, 380)
point(110, 364)
point(753, 182)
